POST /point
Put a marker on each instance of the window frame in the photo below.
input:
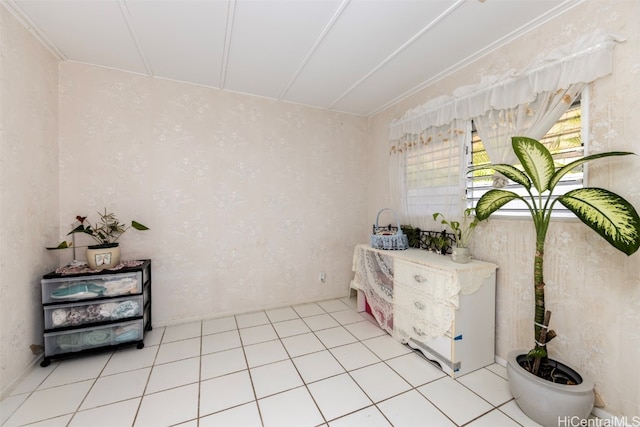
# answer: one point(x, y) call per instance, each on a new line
point(557, 214)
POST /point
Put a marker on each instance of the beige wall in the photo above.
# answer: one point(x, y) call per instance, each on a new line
point(28, 190)
point(248, 199)
point(592, 290)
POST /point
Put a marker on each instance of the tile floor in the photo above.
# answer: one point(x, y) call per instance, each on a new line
point(320, 364)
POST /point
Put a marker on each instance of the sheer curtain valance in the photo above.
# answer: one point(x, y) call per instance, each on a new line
point(527, 103)
point(582, 61)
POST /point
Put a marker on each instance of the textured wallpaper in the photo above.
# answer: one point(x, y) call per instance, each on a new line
point(248, 199)
point(28, 190)
point(592, 289)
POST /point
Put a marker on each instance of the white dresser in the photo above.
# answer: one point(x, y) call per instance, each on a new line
point(444, 309)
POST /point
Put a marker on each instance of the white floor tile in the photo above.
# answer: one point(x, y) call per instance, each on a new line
point(252, 319)
point(385, 347)
point(459, 403)
point(337, 396)
point(335, 336)
point(130, 359)
point(369, 417)
point(499, 370)
point(317, 366)
point(333, 305)
point(291, 408)
point(494, 418)
point(415, 369)
point(115, 414)
point(168, 407)
point(321, 321)
point(310, 365)
point(513, 410)
point(264, 353)
point(490, 386)
point(222, 324)
point(174, 374)
point(274, 378)
point(225, 392)
point(257, 334)
point(172, 351)
point(33, 379)
point(246, 415)
point(50, 403)
point(9, 405)
point(281, 314)
point(354, 356)
point(290, 328)
point(62, 421)
point(182, 332)
point(154, 336)
point(222, 363)
point(302, 344)
point(412, 409)
point(364, 330)
point(306, 310)
point(221, 341)
point(115, 388)
point(346, 317)
point(76, 369)
point(380, 381)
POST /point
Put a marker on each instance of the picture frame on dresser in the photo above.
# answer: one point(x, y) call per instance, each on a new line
point(93, 311)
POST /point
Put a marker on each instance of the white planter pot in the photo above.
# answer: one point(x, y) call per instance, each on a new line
point(547, 403)
point(104, 256)
point(461, 255)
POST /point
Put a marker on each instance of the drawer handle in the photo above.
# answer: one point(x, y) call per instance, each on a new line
point(419, 305)
point(419, 278)
point(418, 331)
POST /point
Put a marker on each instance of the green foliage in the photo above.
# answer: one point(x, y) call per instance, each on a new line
point(462, 230)
point(106, 231)
point(607, 213)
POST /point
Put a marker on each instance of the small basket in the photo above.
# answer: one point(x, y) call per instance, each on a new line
point(383, 239)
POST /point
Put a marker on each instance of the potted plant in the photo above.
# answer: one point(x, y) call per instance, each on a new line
point(462, 232)
point(543, 388)
point(106, 232)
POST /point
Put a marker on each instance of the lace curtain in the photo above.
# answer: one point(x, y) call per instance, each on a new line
point(427, 172)
point(527, 99)
point(534, 119)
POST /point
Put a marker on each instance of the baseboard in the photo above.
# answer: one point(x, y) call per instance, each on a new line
point(6, 391)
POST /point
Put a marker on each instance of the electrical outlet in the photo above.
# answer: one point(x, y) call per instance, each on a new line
point(323, 277)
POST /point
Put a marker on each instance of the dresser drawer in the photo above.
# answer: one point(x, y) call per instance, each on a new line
point(418, 277)
point(79, 288)
point(87, 338)
point(74, 314)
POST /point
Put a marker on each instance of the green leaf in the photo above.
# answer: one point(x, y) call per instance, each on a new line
point(569, 167)
point(537, 352)
point(493, 200)
point(608, 214)
point(138, 226)
point(62, 245)
point(536, 161)
point(511, 172)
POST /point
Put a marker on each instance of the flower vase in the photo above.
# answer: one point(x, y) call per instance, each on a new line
point(100, 257)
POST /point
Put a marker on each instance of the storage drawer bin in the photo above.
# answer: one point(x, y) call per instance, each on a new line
point(87, 338)
point(75, 314)
point(79, 288)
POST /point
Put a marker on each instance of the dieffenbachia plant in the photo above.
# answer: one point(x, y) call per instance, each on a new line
point(608, 214)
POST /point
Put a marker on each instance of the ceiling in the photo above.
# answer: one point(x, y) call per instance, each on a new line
point(355, 56)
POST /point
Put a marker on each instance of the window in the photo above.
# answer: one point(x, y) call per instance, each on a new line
point(435, 170)
point(566, 144)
